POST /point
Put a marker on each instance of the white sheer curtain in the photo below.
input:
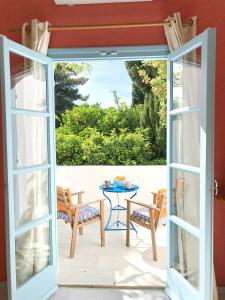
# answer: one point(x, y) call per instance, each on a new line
point(37, 37)
point(30, 138)
point(187, 139)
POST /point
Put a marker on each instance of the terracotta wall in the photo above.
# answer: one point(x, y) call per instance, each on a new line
point(210, 14)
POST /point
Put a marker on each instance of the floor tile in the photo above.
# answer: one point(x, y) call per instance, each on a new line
point(108, 294)
point(115, 264)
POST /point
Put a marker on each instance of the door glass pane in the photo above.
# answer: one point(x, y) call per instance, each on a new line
point(186, 196)
point(28, 84)
point(29, 140)
point(30, 196)
point(186, 139)
point(185, 254)
point(32, 253)
point(186, 80)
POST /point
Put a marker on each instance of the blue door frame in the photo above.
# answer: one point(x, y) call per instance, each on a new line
point(158, 52)
point(42, 284)
point(207, 40)
point(178, 286)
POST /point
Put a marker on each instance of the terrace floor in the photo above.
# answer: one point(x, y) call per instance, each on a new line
point(108, 294)
point(114, 265)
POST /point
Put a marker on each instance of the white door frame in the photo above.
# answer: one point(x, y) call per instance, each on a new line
point(29, 289)
point(177, 284)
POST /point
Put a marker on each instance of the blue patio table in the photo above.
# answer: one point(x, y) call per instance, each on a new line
point(117, 190)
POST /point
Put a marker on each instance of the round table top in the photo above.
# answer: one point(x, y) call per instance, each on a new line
point(114, 189)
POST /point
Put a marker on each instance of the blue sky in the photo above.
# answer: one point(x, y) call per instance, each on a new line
point(104, 77)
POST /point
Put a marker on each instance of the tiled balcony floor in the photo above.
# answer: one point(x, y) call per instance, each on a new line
point(108, 294)
point(114, 264)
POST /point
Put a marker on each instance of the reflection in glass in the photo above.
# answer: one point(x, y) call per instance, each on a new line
point(186, 139)
point(28, 84)
point(186, 196)
point(30, 191)
point(29, 140)
point(32, 253)
point(186, 80)
point(185, 255)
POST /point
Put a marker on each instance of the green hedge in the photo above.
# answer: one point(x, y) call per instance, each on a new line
point(91, 135)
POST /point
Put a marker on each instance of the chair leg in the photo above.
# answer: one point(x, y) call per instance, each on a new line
point(102, 231)
point(81, 231)
point(74, 234)
point(73, 240)
point(128, 225)
point(152, 228)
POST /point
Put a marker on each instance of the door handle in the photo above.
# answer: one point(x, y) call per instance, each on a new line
point(216, 189)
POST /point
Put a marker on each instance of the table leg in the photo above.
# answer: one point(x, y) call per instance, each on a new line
point(118, 207)
point(110, 210)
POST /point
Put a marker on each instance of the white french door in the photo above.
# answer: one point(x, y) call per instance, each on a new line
point(28, 113)
point(190, 168)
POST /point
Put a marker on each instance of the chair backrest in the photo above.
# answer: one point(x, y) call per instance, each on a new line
point(160, 200)
point(64, 200)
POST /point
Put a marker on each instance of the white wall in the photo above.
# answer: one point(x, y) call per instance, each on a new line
point(88, 178)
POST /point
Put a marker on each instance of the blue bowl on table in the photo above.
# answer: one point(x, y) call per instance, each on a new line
point(119, 183)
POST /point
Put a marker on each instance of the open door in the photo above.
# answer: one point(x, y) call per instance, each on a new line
point(28, 114)
point(190, 168)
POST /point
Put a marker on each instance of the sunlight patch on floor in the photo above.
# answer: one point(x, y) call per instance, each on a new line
point(114, 264)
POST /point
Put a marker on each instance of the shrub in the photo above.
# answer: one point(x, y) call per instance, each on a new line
point(68, 149)
point(80, 117)
point(90, 135)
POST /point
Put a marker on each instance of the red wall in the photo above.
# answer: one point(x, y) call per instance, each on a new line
point(210, 14)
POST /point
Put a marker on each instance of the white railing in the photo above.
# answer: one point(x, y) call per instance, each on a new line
point(88, 178)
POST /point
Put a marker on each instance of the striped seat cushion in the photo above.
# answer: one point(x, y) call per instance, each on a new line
point(142, 214)
point(62, 215)
point(86, 212)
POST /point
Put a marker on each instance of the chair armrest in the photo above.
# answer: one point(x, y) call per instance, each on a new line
point(77, 193)
point(88, 203)
point(154, 197)
point(76, 205)
point(150, 206)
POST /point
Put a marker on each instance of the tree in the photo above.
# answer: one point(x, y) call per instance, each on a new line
point(67, 80)
point(140, 74)
point(81, 117)
point(91, 135)
point(154, 112)
point(116, 98)
point(149, 87)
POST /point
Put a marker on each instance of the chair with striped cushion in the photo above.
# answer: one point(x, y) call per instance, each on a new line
point(79, 215)
point(147, 216)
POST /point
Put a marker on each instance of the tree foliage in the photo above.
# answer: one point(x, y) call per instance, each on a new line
point(121, 135)
point(149, 88)
point(67, 81)
point(140, 74)
point(91, 135)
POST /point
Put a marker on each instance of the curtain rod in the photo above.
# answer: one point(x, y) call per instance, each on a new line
point(108, 26)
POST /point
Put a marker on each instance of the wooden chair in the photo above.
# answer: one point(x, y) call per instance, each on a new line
point(79, 215)
point(147, 216)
